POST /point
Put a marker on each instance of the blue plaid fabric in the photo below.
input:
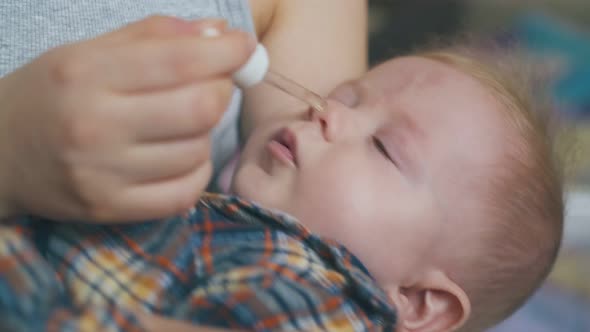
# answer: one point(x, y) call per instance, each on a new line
point(226, 263)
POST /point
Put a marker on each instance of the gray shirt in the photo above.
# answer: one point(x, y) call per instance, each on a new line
point(30, 27)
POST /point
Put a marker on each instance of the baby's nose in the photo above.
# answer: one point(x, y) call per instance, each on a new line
point(328, 119)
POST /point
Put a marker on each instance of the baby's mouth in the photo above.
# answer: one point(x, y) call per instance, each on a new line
point(283, 146)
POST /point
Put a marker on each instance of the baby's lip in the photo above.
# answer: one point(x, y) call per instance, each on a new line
point(283, 146)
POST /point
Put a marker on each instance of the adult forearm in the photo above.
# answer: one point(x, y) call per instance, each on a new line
point(319, 44)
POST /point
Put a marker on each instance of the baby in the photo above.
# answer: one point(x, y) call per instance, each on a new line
point(433, 170)
point(436, 172)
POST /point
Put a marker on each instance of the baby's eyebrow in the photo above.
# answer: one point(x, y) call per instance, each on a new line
point(409, 137)
point(409, 122)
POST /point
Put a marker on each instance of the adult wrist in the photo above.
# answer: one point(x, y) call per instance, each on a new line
point(6, 206)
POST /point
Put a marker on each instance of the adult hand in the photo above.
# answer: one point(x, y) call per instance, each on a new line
point(117, 128)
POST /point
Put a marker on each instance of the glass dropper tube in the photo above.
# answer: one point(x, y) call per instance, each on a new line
point(296, 90)
point(256, 70)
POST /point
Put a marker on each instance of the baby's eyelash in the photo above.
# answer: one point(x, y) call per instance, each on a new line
point(382, 149)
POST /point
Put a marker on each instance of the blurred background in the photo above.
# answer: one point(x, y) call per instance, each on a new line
point(554, 30)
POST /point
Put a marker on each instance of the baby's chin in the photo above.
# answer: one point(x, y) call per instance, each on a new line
point(235, 188)
point(245, 189)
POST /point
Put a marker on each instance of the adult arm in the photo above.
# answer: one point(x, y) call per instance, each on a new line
point(318, 43)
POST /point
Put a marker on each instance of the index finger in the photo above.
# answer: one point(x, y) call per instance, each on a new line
point(167, 63)
point(162, 27)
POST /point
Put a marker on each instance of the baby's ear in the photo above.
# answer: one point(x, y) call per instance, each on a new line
point(434, 303)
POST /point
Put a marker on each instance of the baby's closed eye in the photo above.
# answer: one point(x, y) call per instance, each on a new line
point(378, 143)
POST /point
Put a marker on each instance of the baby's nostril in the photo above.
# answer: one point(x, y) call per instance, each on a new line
point(313, 113)
point(324, 124)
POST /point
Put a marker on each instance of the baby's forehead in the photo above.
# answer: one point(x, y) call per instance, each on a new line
point(429, 90)
point(419, 83)
point(417, 72)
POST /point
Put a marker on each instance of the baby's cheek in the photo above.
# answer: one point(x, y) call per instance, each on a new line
point(337, 197)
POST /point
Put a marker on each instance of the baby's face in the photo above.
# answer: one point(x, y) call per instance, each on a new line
point(382, 169)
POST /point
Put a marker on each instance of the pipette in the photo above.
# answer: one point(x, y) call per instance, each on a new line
point(256, 70)
point(295, 89)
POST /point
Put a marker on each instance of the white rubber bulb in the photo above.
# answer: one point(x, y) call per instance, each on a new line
point(254, 70)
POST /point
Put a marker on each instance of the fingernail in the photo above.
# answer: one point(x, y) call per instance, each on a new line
point(210, 32)
point(252, 41)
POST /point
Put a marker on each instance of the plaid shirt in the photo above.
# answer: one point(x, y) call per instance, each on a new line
point(226, 263)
